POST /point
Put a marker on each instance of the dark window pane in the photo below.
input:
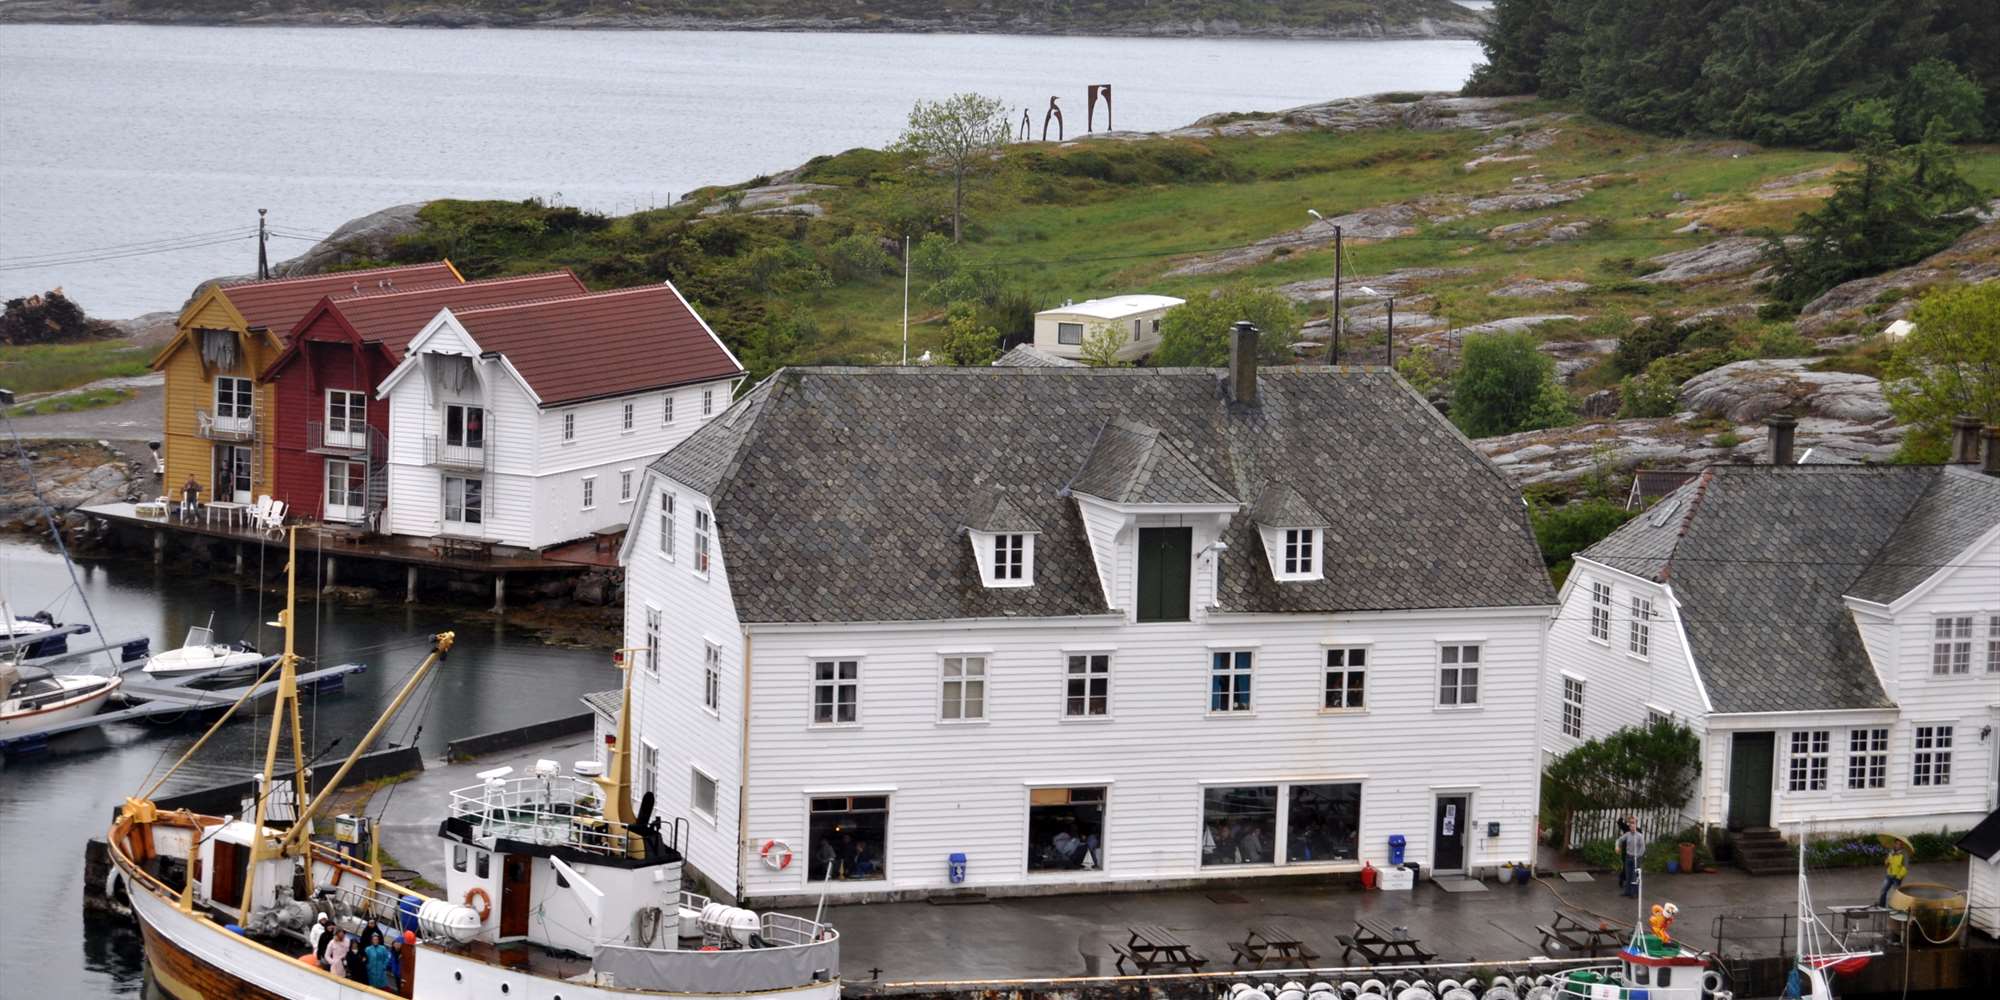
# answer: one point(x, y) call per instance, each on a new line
point(1239, 825)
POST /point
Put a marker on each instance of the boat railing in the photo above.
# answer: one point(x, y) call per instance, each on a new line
point(556, 810)
point(779, 930)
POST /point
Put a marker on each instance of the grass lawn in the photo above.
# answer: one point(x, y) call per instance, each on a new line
point(48, 367)
point(70, 402)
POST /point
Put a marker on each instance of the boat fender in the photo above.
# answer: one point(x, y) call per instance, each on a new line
point(114, 887)
point(484, 905)
point(776, 854)
point(1711, 982)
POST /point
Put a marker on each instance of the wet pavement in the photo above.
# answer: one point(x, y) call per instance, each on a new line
point(1046, 936)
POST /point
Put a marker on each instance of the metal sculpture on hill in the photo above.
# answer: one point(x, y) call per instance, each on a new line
point(1090, 116)
point(1055, 112)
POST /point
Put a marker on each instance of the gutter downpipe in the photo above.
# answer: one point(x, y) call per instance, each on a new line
point(743, 775)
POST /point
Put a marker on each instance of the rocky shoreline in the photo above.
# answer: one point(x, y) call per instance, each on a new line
point(1470, 26)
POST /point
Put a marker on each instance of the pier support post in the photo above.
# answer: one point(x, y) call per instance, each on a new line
point(159, 548)
point(410, 584)
point(331, 576)
point(499, 593)
point(239, 560)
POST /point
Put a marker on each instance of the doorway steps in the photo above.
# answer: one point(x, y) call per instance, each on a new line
point(1764, 851)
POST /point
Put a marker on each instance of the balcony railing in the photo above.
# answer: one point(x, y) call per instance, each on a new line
point(473, 457)
point(229, 428)
point(336, 442)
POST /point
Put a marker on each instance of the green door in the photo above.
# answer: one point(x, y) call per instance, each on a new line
point(1750, 758)
point(1164, 557)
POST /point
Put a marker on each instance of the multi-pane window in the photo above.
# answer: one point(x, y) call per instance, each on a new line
point(624, 485)
point(1993, 645)
point(707, 402)
point(1301, 552)
point(962, 688)
point(649, 768)
point(1807, 764)
point(1458, 675)
point(1867, 758)
point(1930, 761)
point(702, 795)
point(464, 500)
point(589, 492)
point(1009, 556)
point(1951, 645)
point(836, 691)
point(233, 398)
point(346, 417)
point(1572, 718)
point(1642, 626)
point(666, 524)
point(1066, 829)
point(701, 541)
point(625, 418)
point(711, 677)
point(464, 426)
point(667, 410)
point(569, 427)
point(848, 837)
point(653, 640)
point(1087, 685)
point(1229, 680)
point(1346, 678)
point(1655, 716)
point(1600, 611)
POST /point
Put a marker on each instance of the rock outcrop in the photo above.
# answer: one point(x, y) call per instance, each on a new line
point(1975, 257)
point(368, 237)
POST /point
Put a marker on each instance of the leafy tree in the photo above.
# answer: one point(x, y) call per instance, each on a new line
point(1195, 334)
point(958, 131)
point(1936, 92)
point(1655, 338)
point(1641, 767)
point(1420, 367)
point(1505, 385)
point(966, 342)
point(1101, 346)
point(1562, 532)
point(858, 256)
point(784, 268)
point(948, 277)
point(1948, 365)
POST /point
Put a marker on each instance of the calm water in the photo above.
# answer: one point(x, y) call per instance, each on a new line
point(52, 803)
point(122, 135)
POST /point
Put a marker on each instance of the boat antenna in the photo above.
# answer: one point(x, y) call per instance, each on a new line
point(55, 532)
point(283, 712)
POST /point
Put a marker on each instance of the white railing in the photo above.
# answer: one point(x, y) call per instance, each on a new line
point(224, 428)
point(559, 810)
point(781, 930)
point(440, 451)
point(321, 437)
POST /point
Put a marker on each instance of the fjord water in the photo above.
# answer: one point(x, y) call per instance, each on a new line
point(121, 134)
point(51, 803)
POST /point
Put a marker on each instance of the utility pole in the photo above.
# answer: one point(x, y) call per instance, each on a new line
point(1333, 318)
point(1389, 338)
point(906, 300)
point(263, 240)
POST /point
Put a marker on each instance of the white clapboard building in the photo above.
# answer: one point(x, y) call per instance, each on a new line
point(1832, 632)
point(1084, 627)
point(531, 424)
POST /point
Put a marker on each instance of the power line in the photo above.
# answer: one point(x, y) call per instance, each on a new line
point(99, 258)
point(119, 247)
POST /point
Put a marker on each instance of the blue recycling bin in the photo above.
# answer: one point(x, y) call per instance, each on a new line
point(955, 867)
point(1396, 844)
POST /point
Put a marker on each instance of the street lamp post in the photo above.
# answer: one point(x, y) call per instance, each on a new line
point(1333, 318)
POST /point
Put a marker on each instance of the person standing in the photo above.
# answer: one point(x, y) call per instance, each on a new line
point(1894, 869)
point(1631, 847)
point(337, 947)
point(190, 497)
point(379, 961)
point(321, 934)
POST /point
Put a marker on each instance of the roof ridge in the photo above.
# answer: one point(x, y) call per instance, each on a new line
point(1695, 497)
point(1908, 512)
point(383, 293)
point(585, 294)
point(240, 283)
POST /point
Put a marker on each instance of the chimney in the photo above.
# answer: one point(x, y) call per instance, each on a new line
point(1243, 363)
point(1964, 440)
point(1992, 451)
point(1781, 425)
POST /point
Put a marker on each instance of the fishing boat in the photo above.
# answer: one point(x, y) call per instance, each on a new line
point(200, 653)
point(557, 885)
point(33, 699)
point(1651, 966)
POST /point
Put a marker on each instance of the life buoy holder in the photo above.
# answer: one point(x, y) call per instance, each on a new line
point(485, 904)
point(777, 854)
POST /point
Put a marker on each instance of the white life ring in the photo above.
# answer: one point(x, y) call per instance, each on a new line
point(777, 854)
point(1711, 982)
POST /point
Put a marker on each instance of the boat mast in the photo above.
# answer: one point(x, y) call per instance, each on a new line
point(284, 712)
point(616, 784)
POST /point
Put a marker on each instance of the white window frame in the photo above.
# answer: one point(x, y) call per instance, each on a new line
point(625, 415)
point(1808, 760)
point(1951, 644)
point(1010, 558)
point(836, 682)
point(569, 427)
point(649, 768)
point(353, 432)
point(589, 493)
point(1931, 749)
point(1993, 642)
point(667, 410)
point(240, 413)
point(625, 485)
point(1572, 706)
point(652, 625)
point(695, 779)
point(965, 678)
point(669, 522)
point(1600, 612)
point(1457, 667)
point(1867, 758)
point(444, 495)
point(1346, 652)
point(711, 678)
point(1639, 642)
point(702, 525)
point(1299, 553)
point(1242, 680)
point(708, 402)
point(1086, 677)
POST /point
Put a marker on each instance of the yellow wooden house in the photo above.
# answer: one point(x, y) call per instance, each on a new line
point(217, 428)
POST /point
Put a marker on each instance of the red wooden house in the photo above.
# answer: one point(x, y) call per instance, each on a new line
point(329, 442)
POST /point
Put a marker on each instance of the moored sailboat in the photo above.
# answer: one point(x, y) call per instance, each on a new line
point(33, 698)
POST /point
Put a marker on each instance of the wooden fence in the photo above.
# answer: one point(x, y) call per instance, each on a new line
point(1586, 825)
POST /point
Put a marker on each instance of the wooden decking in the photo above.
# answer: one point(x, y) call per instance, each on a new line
point(337, 540)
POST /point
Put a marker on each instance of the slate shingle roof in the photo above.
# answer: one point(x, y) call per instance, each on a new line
point(1281, 506)
point(1131, 463)
point(992, 511)
point(604, 703)
point(839, 492)
point(1760, 558)
point(1030, 356)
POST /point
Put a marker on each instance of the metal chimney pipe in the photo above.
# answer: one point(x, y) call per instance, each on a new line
point(1782, 425)
point(1243, 363)
point(1965, 440)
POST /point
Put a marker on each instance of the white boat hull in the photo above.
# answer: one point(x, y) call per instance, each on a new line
point(175, 662)
point(18, 725)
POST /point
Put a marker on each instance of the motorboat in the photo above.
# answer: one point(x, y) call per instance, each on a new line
point(34, 698)
point(200, 653)
point(35, 636)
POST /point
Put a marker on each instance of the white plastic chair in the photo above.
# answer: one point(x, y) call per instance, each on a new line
point(273, 520)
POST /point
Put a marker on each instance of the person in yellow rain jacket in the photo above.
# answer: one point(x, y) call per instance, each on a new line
point(1893, 870)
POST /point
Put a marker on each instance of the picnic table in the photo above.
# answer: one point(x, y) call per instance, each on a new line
point(1151, 946)
point(1270, 942)
point(1382, 943)
point(1583, 932)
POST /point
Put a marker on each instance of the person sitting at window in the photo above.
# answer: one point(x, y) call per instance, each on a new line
point(862, 864)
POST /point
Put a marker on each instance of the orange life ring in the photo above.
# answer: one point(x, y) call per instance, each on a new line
point(485, 905)
point(777, 854)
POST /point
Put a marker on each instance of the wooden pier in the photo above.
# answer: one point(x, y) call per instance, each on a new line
point(172, 697)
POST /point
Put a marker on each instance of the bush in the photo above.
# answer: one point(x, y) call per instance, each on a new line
point(859, 256)
point(966, 342)
point(1850, 850)
point(1195, 334)
point(1506, 385)
point(1647, 396)
point(1782, 342)
point(1561, 532)
point(1640, 346)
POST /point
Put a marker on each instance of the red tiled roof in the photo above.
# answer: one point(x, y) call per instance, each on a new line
point(606, 344)
point(278, 304)
point(392, 318)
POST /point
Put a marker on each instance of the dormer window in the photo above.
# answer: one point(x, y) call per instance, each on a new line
point(1294, 534)
point(1301, 554)
point(1009, 556)
point(1006, 559)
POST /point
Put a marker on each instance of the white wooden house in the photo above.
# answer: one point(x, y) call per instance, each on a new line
point(1832, 633)
point(1093, 628)
point(1135, 319)
point(531, 424)
point(1982, 881)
